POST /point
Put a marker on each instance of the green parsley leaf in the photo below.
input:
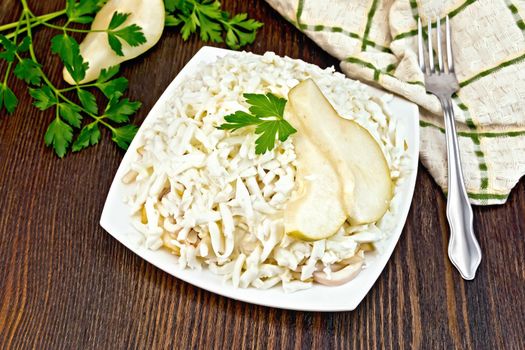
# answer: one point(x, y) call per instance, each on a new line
point(89, 136)
point(58, 135)
point(269, 130)
point(285, 129)
point(210, 27)
point(124, 135)
point(7, 99)
point(24, 45)
point(70, 113)
point(171, 21)
point(82, 11)
point(267, 114)
point(172, 5)
point(207, 17)
point(88, 101)
point(114, 88)
point(210, 30)
point(115, 44)
point(44, 97)
point(9, 49)
point(120, 110)
point(239, 120)
point(67, 48)
point(106, 74)
point(29, 71)
point(131, 34)
point(190, 25)
point(266, 141)
point(169, 5)
point(241, 31)
point(111, 88)
point(267, 105)
point(117, 19)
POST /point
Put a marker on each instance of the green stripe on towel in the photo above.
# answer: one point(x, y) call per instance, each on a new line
point(369, 18)
point(480, 155)
point(336, 29)
point(516, 14)
point(486, 134)
point(377, 71)
point(452, 14)
point(492, 70)
point(340, 30)
point(414, 8)
point(481, 196)
point(299, 13)
point(484, 196)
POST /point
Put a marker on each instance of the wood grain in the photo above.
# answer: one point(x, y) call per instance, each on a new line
point(65, 283)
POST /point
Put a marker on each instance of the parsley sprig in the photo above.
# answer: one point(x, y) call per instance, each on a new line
point(213, 23)
point(70, 128)
point(79, 114)
point(267, 115)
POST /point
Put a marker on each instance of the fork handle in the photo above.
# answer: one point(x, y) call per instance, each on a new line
point(463, 248)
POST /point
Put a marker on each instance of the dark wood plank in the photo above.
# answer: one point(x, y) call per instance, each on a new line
point(65, 283)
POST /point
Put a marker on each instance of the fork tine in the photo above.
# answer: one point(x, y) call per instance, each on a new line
point(430, 53)
point(420, 46)
point(450, 58)
point(439, 44)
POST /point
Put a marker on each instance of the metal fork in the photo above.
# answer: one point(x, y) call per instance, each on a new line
point(463, 248)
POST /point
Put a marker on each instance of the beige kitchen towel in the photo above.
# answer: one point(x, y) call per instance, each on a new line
point(375, 40)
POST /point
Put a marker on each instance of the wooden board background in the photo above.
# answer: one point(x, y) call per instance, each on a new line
point(65, 283)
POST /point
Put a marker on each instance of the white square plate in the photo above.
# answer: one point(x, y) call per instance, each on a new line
point(117, 221)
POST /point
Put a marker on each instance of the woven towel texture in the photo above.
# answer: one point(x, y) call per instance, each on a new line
point(375, 40)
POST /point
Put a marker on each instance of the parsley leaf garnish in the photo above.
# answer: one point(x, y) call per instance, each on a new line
point(88, 101)
point(120, 110)
point(82, 11)
point(9, 49)
point(124, 135)
point(28, 71)
point(213, 24)
point(111, 88)
point(131, 34)
point(68, 50)
point(267, 115)
point(89, 136)
point(44, 97)
point(58, 135)
point(7, 98)
point(70, 113)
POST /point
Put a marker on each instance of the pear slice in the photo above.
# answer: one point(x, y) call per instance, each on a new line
point(357, 157)
point(315, 210)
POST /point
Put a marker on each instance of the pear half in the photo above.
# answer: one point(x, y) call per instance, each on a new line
point(356, 156)
point(315, 210)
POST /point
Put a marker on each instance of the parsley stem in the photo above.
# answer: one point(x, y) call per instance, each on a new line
point(8, 70)
point(35, 20)
point(65, 28)
point(19, 24)
point(57, 108)
point(80, 86)
point(20, 31)
point(24, 5)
